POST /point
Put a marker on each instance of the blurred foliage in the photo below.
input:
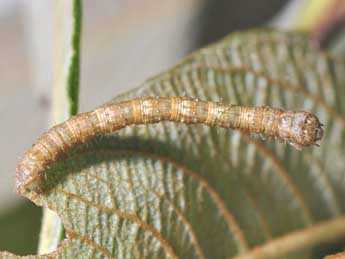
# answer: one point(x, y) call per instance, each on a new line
point(19, 228)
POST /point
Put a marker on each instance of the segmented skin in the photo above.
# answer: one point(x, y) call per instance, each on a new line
point(300, 129)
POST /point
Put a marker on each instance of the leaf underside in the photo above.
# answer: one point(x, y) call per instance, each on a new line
point(170, 190)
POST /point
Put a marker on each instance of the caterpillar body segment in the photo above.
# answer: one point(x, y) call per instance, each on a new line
point(301, 129)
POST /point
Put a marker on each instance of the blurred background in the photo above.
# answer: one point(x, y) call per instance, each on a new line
point(123, 43)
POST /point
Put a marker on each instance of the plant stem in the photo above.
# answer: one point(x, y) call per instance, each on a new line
point(65, 98)
point(324, 232)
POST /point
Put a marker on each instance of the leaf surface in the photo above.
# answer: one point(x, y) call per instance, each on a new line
point(175, 191)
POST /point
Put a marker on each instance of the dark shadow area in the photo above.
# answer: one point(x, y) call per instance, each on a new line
point(20, 229)
point(332, 34)
point(219, 18)
point(329, 249)
point(111, 147)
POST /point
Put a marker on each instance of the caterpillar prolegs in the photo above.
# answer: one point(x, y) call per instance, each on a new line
point(300, 129)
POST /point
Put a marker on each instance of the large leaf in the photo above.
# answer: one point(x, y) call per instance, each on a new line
point(170, 190)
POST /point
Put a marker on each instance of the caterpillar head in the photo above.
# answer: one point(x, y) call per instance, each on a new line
point(301, 129)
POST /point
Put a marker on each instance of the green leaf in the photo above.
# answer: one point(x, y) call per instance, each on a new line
point(171, 190)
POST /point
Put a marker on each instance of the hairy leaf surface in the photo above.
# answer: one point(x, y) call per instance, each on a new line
point(170, 190)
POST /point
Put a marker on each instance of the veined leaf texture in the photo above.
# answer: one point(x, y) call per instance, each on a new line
point(171, 190)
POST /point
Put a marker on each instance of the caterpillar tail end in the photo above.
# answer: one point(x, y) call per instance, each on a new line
point(26, 181)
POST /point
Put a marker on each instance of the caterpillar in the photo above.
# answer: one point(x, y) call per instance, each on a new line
point(300, 129)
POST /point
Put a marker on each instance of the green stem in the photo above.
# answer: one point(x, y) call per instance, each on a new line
point(74, 68)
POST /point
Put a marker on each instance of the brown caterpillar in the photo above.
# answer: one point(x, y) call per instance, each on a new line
point(300, 129)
